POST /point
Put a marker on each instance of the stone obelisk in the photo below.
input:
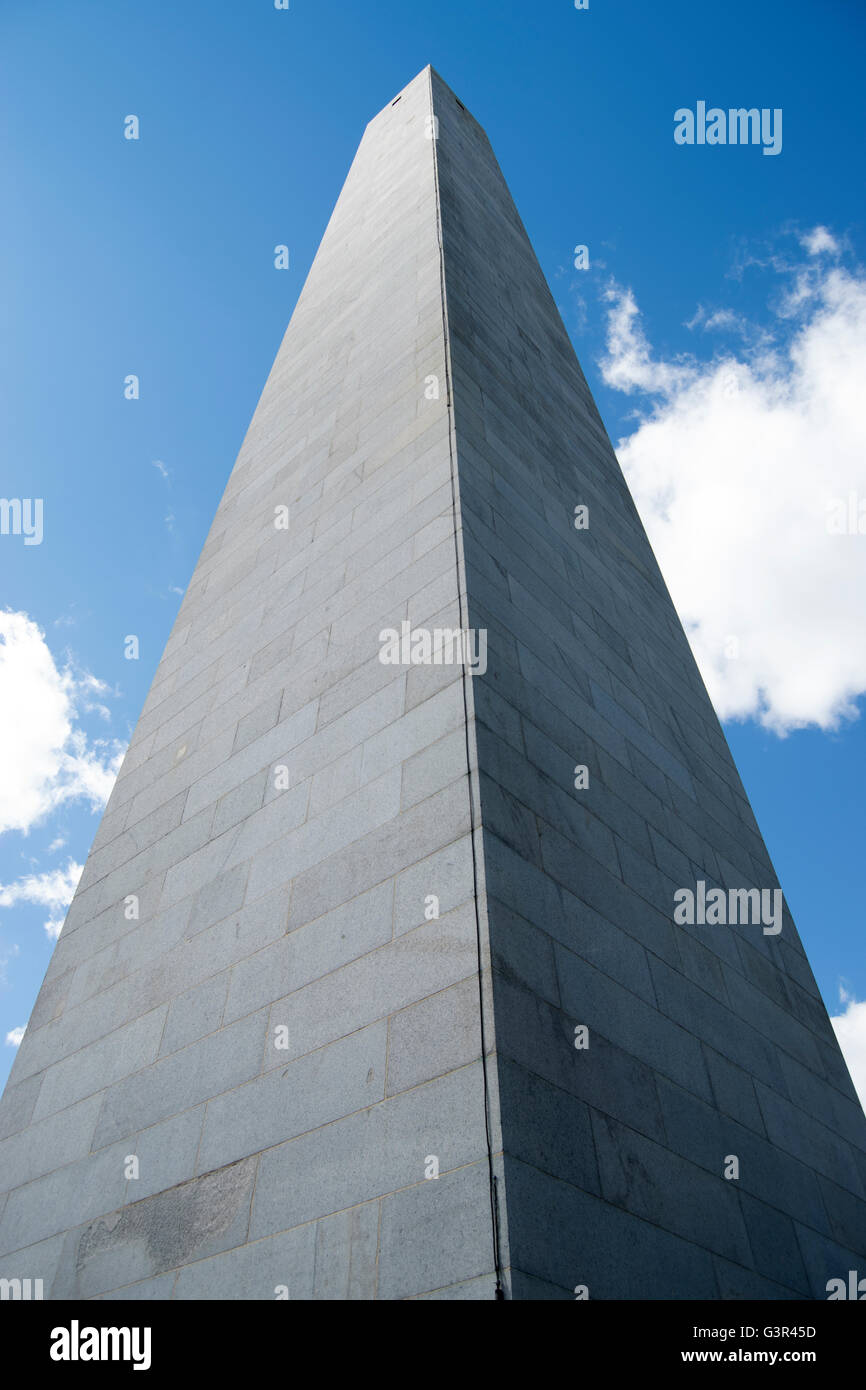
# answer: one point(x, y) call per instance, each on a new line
point(378, 982)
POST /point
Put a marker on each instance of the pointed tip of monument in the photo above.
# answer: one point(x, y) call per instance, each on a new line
point(429, 72)
point(425, 75)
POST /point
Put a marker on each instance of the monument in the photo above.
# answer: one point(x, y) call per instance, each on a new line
point(428, 947)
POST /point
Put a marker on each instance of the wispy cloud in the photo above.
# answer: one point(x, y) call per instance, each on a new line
point(6, 954)
point(720, 321)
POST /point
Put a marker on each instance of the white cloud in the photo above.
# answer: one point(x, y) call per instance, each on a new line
point(629, 365)
point(53, 889)
point(850, 1029)
point(14, 1036)
point(733, 468)
point(46, 759)
point(818, 240)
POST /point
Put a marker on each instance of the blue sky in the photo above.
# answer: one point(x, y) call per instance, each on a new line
point(720, 324)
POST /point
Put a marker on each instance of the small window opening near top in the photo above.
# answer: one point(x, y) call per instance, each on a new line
point(396, 99)
point(460, 103)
